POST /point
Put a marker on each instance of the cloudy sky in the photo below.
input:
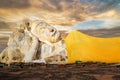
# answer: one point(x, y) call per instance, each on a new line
point(63, 14)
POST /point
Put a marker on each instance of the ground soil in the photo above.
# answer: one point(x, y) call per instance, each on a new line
point(77, 71)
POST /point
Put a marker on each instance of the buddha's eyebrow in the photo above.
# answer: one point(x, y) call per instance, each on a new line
point(41, 24)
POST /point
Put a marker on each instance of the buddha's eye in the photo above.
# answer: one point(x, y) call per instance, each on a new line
point(52, 30)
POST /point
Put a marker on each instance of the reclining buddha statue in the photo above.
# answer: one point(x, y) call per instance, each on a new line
point(37, 41)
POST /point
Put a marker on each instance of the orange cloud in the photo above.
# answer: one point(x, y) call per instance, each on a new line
point(56, 12)
point(108, 14)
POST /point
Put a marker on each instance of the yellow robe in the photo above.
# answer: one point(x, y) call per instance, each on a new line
point(81, 47)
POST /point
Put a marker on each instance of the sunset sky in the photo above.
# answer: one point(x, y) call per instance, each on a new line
point(63, 14)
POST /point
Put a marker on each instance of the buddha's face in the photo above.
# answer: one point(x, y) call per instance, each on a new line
point(44, 31)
